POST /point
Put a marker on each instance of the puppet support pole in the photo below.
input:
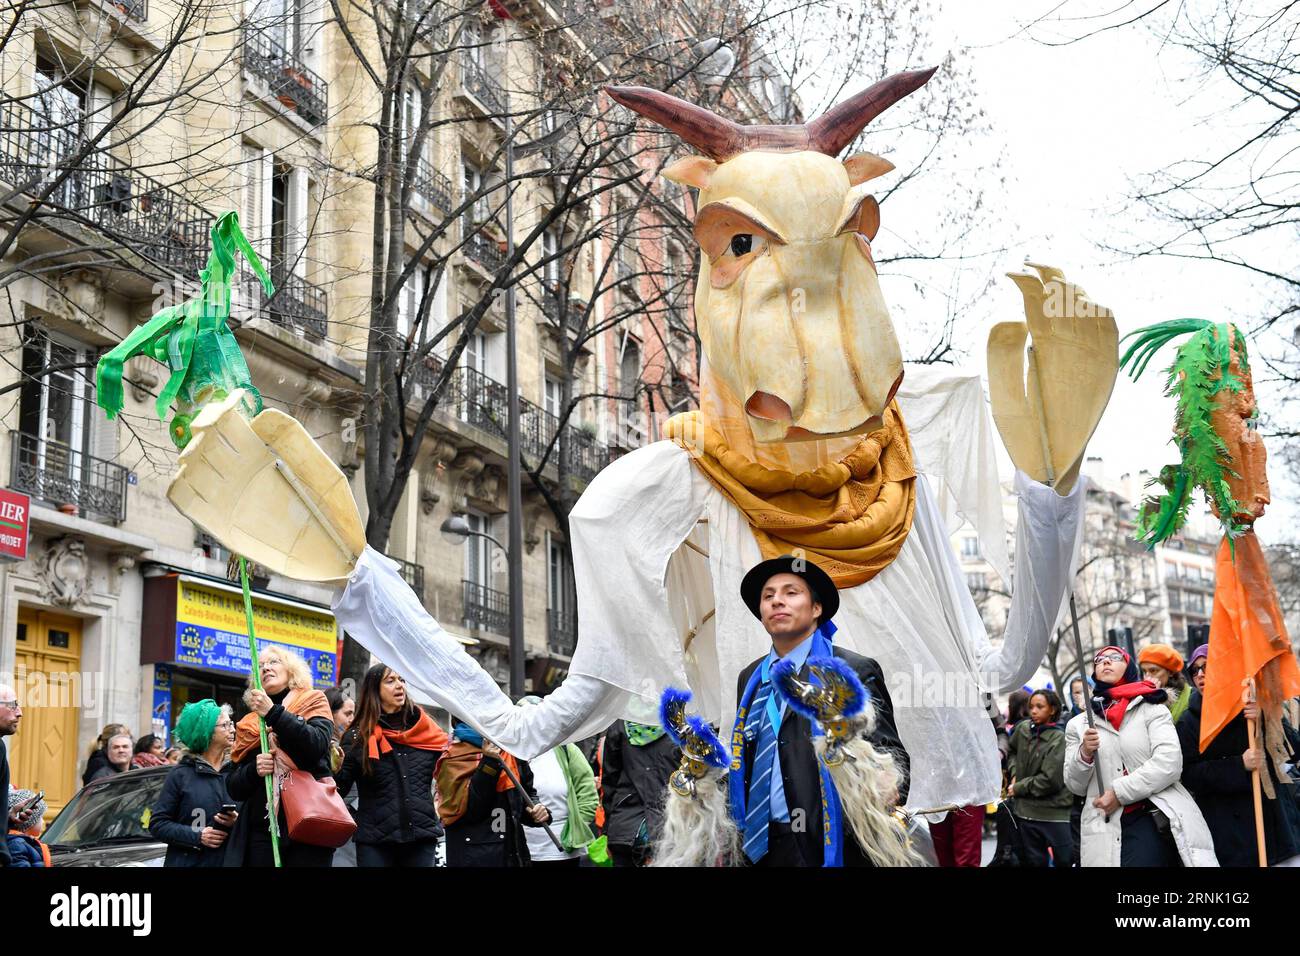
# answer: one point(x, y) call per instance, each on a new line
point(1074, 614)
point(1251, 731)
point(271, 813)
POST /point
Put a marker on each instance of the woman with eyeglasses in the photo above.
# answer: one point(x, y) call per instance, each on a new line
point(1220, 780)
point(189, 815)
point(1127, 767)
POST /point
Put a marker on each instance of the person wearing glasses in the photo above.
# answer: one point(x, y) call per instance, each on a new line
point(10, 714)
point(193, 815)
point(1220, 780)
point(1127, 767)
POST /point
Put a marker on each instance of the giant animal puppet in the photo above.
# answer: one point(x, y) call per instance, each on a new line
point(812, 436)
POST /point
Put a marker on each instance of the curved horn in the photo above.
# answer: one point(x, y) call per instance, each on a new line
point(838, 127)
point(715, 136)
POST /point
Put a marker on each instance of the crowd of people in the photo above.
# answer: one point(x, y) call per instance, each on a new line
point(1114, 778)
point(1131, 787)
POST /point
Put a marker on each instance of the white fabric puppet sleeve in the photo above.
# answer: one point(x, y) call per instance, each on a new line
point(380, 610)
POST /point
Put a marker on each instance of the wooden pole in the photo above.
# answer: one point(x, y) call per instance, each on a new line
point(1251, 730)
point(1050, 470)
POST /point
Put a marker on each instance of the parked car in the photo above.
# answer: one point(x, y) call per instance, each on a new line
point(107, 823)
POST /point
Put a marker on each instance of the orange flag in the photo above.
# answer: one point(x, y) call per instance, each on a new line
point(1248, 638)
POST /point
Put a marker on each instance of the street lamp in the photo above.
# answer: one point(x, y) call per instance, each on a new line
point(455, 530)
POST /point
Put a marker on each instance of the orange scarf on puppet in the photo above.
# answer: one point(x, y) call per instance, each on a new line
point(851, 516)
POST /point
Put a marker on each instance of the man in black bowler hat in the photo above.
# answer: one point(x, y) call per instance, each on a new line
point(783, 786)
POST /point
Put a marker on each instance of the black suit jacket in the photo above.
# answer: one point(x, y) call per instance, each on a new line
point(799, 771)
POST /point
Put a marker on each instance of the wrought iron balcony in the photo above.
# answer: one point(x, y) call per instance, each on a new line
point(137, 10)
point(485, 609)
point(483, 86)
point(287, 78)
point(481, 401)
point(482, 248)
point(561, 631)
point(552, 306)
point(432, 186)
point(132, 209)
point(53, 472)
point(298, 304)
point(412, 574)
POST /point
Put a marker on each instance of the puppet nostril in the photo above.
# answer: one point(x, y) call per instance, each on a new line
point(767, 406)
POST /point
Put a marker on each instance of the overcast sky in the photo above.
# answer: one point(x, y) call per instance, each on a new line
point(1076, 125)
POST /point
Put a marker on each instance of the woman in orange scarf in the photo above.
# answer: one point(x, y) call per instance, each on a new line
point(390, 753)
point(301, 728)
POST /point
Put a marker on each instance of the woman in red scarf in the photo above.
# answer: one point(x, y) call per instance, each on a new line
point(390, 753)
point(1136, 813)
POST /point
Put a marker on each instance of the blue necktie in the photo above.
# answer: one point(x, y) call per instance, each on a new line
point(758, 808)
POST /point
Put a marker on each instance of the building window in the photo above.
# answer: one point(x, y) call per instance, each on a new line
point(474, 184)
point(559, 576)
point(479, 552)
point(550, 253)
point(976, 581)
point(57, 399)
point(970, 547)
point(551, 398)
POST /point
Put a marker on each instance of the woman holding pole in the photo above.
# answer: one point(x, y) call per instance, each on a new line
point(1220, 780)
point(1133, 748)
point(301, 728)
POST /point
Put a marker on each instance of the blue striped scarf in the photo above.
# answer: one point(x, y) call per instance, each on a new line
point(832, 817)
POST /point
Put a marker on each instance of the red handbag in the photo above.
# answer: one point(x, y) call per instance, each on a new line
point(314, 811)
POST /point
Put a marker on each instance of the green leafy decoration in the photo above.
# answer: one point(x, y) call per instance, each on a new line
point(193, 340)
point(1200, 371)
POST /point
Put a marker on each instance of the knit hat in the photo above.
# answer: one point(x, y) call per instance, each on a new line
point(1202, 651)
point(17, 796)
point(1162, 655)
point(197, 721)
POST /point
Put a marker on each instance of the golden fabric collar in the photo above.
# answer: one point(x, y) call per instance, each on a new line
point(850, 516)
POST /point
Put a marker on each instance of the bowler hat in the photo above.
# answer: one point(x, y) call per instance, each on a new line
point(819, 582)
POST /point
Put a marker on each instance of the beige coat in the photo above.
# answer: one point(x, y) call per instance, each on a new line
point(1146, 744)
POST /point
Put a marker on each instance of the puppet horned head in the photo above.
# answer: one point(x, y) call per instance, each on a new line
point(788, 303)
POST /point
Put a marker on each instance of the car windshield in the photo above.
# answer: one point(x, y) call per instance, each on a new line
point(108, 811)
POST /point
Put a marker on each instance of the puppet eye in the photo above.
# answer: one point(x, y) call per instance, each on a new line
point(743, 243)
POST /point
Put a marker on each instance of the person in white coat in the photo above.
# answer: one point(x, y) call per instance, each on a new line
point(1142, 816)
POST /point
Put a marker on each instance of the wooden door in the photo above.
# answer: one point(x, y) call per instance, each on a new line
point(43, 754)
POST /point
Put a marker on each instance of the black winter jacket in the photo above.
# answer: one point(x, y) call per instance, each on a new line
point(1221, 785)
point(4, 801)
point(634, 784)
point(799, 772)
point(307, 742)
point(477, 838)
point(395, 799)
point(192, 796)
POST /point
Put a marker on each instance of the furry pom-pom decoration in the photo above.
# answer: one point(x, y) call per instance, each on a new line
point(834, 693)
point(698, 827)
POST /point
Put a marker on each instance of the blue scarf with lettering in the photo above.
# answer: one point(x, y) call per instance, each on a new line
point(832, 816)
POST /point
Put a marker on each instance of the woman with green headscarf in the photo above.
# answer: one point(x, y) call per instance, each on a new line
point(188, 816)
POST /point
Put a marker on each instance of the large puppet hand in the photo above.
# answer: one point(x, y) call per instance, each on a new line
point(1049, 410)
point(266, 490)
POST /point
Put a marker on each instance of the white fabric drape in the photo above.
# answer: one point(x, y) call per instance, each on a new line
point(640, 594)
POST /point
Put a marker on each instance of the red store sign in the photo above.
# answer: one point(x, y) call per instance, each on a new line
point(15, 509)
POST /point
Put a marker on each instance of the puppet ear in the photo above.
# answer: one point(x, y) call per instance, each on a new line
point(691, 171)
point(864, 166)
point(869, 217)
